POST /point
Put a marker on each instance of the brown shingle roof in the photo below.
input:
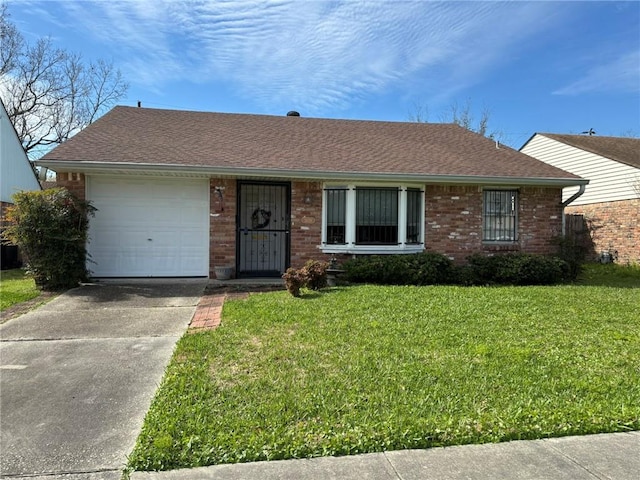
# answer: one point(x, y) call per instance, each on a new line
point(261, 142)
point(621, 149)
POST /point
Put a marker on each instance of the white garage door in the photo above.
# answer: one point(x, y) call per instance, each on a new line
point(148, 227)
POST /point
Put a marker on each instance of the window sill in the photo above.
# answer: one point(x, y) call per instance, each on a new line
point(372, 249)
point(492, 246)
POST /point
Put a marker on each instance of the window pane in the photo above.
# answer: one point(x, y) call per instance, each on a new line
point(377, 216)
point(499, 218)
point(336, 214)
point(414, 215)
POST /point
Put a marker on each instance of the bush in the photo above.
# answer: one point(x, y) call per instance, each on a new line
point(51, 229)
point(314, 274)
point(426, 268)
point(514, 269)
point(433, 268)
point(572, 251)
point(293, 280)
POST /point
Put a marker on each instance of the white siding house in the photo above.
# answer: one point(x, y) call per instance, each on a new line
point(15, 169)
point(16, 174)
point(609, 209)
point(610, 179)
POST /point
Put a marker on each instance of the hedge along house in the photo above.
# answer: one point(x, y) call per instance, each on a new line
point(179, 193)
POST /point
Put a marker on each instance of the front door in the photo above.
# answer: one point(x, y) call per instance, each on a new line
point(263, 229)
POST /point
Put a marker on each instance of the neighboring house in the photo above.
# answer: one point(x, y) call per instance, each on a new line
point(611, 201)
point(179, 193)
point(16, 174)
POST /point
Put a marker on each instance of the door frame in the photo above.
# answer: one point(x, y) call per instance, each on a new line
point(287, 230)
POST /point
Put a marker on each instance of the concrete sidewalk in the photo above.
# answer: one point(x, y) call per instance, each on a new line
point(606, 456)
point(77, 377)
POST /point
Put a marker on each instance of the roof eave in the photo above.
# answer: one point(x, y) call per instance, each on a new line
point(107, 168)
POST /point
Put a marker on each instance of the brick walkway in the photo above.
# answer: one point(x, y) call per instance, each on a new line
point(209, 310)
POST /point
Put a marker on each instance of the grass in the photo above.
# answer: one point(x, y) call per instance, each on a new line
point(16, 287)
point(611, 275)
point(369, 368)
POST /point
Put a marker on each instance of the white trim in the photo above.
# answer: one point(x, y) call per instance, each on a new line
point(205, 171)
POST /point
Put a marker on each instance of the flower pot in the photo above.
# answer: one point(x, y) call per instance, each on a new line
point(223, 273)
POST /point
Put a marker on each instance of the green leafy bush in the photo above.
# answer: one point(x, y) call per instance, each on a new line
point(515, 269)
point(426, 268)
point(431, 268)
point(51, 229)
point(573, 251)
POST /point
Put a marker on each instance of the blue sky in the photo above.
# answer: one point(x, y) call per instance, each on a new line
point(561, 67)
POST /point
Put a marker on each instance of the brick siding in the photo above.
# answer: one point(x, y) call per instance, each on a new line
point(453, 224)
point(306, 223)
point(74, 182)
point(222, 224)
point(615, 226)
point(454, 221)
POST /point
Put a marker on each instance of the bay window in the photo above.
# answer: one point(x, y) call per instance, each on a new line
point(371, 218)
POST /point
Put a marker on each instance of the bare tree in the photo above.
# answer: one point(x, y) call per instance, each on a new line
point(50, 93)
point(419, 113)
point(462, 116)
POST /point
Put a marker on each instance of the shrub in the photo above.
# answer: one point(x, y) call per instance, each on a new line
point(572, 250)
point(314, 274)
point(51, 229)
point(426, 268)
point(430, 268)
point(293, 280)
point(515, 269)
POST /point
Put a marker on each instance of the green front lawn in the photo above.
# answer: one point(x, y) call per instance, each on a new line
point(611, 275)
point(369, 368)
point(16, 287)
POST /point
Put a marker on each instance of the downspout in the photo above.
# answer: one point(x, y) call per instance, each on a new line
point(568, 201)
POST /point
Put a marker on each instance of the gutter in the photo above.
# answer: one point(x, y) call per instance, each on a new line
point(568, 201)
point(107, 168)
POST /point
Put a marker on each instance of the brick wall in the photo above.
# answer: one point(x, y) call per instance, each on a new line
point(74, 182)
point(222, 223)
point(615, 226)
point(540, 219)
point(306, 223)
point(454, 221)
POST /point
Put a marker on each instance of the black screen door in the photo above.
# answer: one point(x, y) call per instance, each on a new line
point(263, 229)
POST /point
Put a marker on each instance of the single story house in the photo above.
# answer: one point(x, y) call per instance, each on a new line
point(179, 193)
point(16, 174)
point(610, 204)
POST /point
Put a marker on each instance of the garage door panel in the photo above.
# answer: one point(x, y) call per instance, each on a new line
point(149, 227)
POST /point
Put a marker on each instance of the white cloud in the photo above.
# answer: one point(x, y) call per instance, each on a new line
point(622, 74)
point(323, 55)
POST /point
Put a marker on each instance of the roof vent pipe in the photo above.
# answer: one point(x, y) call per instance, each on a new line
point(293, 113)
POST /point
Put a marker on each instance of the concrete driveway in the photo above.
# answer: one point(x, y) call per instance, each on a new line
point(78, 375)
